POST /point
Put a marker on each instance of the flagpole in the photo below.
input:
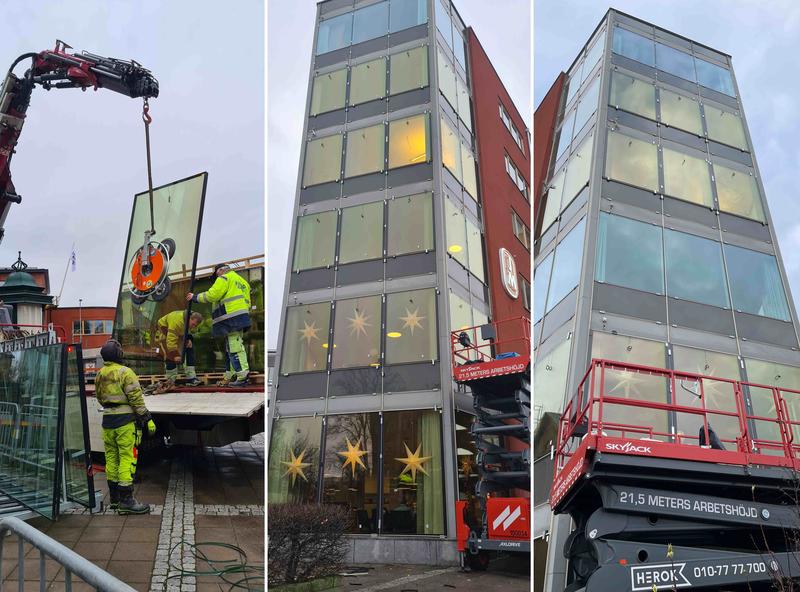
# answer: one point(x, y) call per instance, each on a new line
point(69, 260)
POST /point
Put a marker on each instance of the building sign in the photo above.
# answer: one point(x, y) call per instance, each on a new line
point(508, 272)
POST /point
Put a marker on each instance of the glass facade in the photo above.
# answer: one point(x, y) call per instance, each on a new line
point(329, 91)
point(632, 161)
point(566, 265)
point(411, 327)
point(737, 193)
point(408, 70)
point(680, 111)
point(550, 374)
point(695, 270)
point(356, 333)
point(724, 126)
point(410, 225)
point(293, 463)
point(756, 283)
point(368, 81)
point(323, 160)
point(315, 243)
point(633, 94)
point(365, 151)
point(629, 254)
point(687, 177)
point(362, 233)
point(305, 339)
point(408, 141)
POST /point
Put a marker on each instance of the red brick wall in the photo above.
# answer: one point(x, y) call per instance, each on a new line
point(544, 123)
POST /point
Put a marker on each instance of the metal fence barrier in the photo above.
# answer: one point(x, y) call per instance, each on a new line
point(73, 563)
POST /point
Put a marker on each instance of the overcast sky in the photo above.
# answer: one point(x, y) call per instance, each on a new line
point(81, 155)
point(763, 39)
point(504, 34)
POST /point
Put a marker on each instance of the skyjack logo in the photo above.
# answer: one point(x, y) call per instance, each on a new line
point(627, 447)
point(507, 517)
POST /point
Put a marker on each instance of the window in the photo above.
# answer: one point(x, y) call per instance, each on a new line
point(108, 327)
point(350, 473)
point(629, 254)
point(447, 79)
point(404, 14)
point(681, 112)
point(305, 339)
point(762, 401)
point(773, 374)
point(365, 151)
point(467, 466)
point(694, 269)
point(687, 177)
point(87, 327)
point(738, 193)
point(362, 233)
point(675, 62)
point(516, 177)
point(460, 313)
point(315, 244)
point(328, 93)
point(725, 127)
point(357, 333)
point(633, 46)
point(511, 127)
point(410, 224)
point(443, 22)
point(76, 327)
point(456, 233)
point(294, 460)
point(566, 266)
point(408, 70)
point(323, 160)
point(756, 283)
point(541, 282)
point(464, 106)
point(97, 327)
point(574, 82)
point(587, 105)
point(335, 33)
point(408, 141)
point(411, 327)
point(370, 22)
point(632, 94)
point(593, 55)
point(475, 248)
point(632, 161)
point(412, 472)
point(451, 146)
point(468, 170)
point(578, 168)
point(714, 77)
point(525, 290)
point(565, 134)
point(552, 202)
point(368, 81)
point(458, 50)
point(520, 230)
point(550, 377)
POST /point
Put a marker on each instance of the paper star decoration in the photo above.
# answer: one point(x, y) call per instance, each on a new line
point(296, 466)
point(309, 332)
point(412, 319)
point(358, 323)
point(353, 456)
point(414, 462)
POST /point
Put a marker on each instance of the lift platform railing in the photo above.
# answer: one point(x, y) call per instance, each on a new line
point(483, 343)
point(646, 411)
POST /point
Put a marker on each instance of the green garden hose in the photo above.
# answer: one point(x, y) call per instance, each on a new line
point(234, 571)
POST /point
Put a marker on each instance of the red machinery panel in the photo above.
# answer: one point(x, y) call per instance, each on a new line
point(508, 518)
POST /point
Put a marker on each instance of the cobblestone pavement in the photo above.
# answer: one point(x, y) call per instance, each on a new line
point(211, 495)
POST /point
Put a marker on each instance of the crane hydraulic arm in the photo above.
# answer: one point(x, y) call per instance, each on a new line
point(58, 69)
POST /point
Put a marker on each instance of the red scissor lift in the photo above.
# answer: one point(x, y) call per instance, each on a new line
point(497, 370)
point(678, 480)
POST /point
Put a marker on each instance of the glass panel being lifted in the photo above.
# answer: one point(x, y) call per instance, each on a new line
point(146, 292)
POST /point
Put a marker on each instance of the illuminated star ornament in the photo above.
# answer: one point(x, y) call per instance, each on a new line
point(414, 462)
point(296, 466)
point(309, 332)
point(412, 320)
point(358, 323)
point(353, 456)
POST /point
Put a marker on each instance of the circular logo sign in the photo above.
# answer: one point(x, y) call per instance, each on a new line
point(508, 273)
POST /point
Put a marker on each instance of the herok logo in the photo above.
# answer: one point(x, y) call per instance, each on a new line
point(507, 517)
point(628, 447)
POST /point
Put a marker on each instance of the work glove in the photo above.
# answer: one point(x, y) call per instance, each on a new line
point(151, 428)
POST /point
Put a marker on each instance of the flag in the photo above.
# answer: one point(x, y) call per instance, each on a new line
point(73, 259)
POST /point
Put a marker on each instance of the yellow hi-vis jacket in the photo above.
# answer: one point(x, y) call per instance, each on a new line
point(171, 327)
point(117, 390)
point(231, 295)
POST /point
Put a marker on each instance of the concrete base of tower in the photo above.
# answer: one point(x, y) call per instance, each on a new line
point(401, 550)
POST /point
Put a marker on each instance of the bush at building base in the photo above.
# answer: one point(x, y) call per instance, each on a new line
point(305, 541)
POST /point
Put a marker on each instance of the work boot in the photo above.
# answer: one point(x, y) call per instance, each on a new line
point(113, 495)
point(128, 504)
point(191, 377)
point(240, 381)
point(226, 380)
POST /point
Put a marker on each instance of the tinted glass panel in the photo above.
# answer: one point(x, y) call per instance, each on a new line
point(565, 134)
point(574, 82)
point(458, 50)
point(408, 70)
point(410, 224)
point(587, 105)
point(567, 266)
point(357, 333)
point(370, 22)
point(552, 204)
point(315, 244)
point(411, 327)
point(408, 141)
point(475, 248)
point(772, 374)
point(738, 193)
point(443, 22)
point(456, 232)
point(362, 233)
point(447, 79)
point(578, 169)
point(368, 81)
point(681, 112)
point(593, 55)
point(404, 14)
point(755, 283)
point(335, 33)
point(541, 281)
point(412, 473)
point(629, 254)
point(305, 341)
point(464, 105)
point(323, 160)
point(468, 172)
point(633, 46)
point(632, 161)
point(78, 481)
point(550, 378)
point(714, 77)
point(328, 93)
point(365, 150)
point(675, 62)
point(350, 474)
point(725, 127)
point(687, 177)
point(293, 460)
point(451, 148)
point(632, 94)
point(694, 269)
point(460, 313)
